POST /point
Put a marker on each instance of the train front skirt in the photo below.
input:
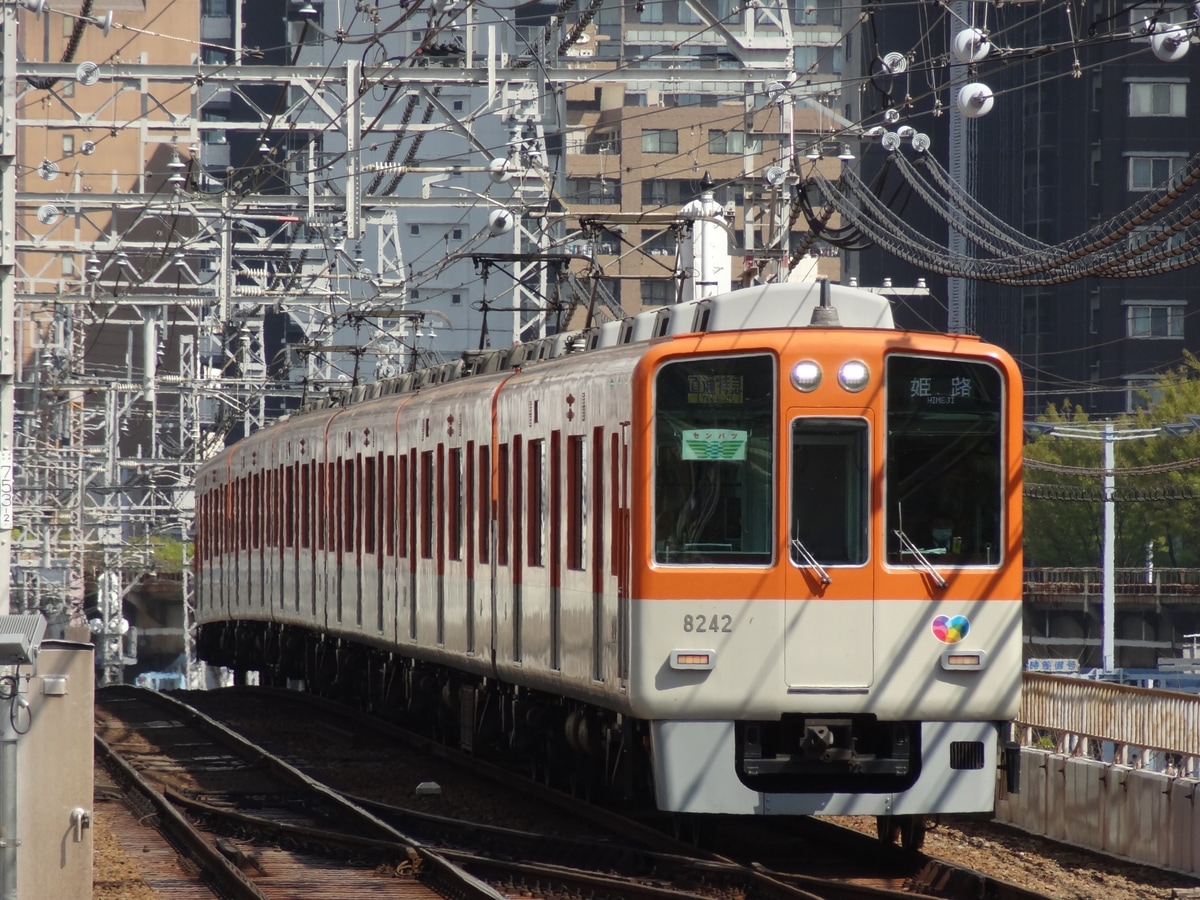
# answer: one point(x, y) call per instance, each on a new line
point(695, 771)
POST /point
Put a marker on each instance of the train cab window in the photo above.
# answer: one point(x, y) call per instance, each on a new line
point(829, 492)
point(714, 461)
point(945, 479)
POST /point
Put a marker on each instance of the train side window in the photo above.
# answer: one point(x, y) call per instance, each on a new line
point(427, 501)
point(440, 511)
point(337, 500)
point(535, 502)
point(244, 523)
point(502, 506)
point(454, 504)
point(275, 507)
point(256, 516)
point(829, 491)
point(350, 505)
point(267, 485)
point(517, 500)
point(389, 506)
point(596, 532)
point(305, 505)
point(472, 504)
point(577, 501)
point(289, 506)
point(485, 501)
point(402, 505)
point(714, 461)
point(368, 504)
point(614, 462)
point(324, 517)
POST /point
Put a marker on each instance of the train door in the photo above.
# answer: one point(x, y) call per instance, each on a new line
point(829, 608)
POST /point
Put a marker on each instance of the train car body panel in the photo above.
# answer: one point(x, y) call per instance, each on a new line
point(556, 621)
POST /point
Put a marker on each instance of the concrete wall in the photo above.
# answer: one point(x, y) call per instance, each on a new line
point(1149, 817)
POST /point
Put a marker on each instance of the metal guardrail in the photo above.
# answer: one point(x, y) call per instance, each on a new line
point(1127, 716)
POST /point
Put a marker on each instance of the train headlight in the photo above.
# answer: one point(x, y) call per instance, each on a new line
point(693, 659)
point(806, 375)
point(964, 660)
point(854, 375)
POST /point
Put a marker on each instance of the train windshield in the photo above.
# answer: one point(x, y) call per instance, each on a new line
point(714, 461)
point(944, 486)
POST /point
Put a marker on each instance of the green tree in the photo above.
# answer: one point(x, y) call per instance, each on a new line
point(1062, 509)
point(1157, 483)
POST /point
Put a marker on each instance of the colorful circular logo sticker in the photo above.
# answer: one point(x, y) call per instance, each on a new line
point(950, 629)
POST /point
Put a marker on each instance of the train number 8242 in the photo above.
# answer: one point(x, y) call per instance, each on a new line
point(708, 624)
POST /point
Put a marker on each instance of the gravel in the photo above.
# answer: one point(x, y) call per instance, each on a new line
point(1057, 870)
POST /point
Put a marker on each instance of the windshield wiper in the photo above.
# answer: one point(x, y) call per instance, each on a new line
point(810, 561)
point(908, 545)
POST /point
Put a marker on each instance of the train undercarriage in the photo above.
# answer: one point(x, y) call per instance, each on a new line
point(589, 751)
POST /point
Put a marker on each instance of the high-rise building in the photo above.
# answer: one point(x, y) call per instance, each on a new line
point(1085, 133)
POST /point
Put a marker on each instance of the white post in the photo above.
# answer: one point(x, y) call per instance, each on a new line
point(1110, 552)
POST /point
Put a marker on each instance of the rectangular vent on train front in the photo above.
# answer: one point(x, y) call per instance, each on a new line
point(966, 754)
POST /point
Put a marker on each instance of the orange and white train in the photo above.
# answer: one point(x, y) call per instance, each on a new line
point(757, 554)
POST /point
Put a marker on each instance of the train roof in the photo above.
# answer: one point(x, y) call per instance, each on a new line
point(761, 307)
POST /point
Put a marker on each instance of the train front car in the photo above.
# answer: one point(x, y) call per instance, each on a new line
point(828, 617)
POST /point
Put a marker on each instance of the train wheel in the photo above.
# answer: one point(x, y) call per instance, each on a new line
point(912, 832)
point(887, 829)
point(686, 828)
point(907, 831)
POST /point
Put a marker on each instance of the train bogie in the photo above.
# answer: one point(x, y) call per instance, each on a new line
point(770, 567)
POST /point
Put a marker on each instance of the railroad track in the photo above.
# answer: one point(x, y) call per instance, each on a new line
point(583, 849)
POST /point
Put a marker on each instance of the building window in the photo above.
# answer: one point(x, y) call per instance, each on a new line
point(457, 106)
point(414, 230)
point(658, 243)
point(660, 140)
point(658, 291)
point(456, 234)
point(731, 142)
point(650, 12)
point(1148, 172)
point(687, 15)
point(1155, 320)
point(68, 145)
point(591, 190)
point(1151, 98)
point(1141, 394)
point(456, 299)
point(1156, 14)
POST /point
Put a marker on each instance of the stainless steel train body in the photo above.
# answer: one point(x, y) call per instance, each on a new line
point(777, 562)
